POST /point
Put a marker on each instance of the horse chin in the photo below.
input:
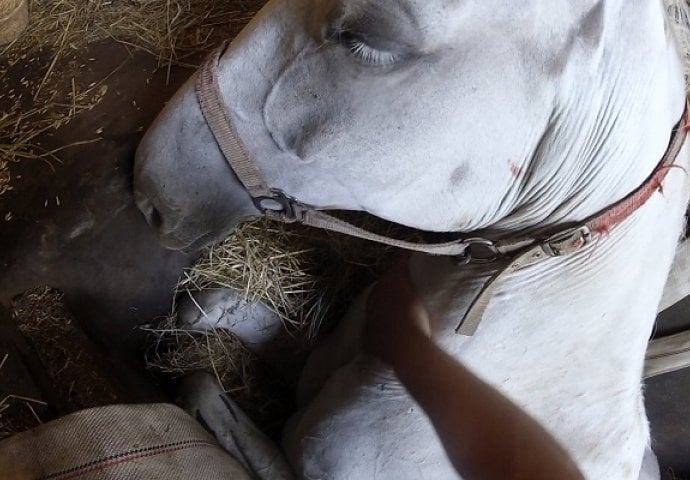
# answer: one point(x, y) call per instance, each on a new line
point(192, 243)
point(170, 242)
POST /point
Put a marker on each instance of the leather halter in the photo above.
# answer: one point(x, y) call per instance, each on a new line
point(521, 251)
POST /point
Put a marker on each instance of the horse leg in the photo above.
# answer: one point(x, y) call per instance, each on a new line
point(260, 329)
point(203, 399)
point(667, 354)
point(339, 348)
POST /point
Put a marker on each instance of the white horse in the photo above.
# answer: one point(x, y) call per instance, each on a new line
point(504, 118)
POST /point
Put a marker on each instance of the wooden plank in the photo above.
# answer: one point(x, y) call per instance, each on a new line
point(678, 283)
point(668, 354)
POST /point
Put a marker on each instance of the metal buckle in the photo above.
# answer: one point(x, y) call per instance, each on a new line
point(278, 205)
point(568, 242)
point(479, 251)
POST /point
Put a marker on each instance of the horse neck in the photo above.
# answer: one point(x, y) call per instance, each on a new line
point(571, 311)
point(611, 123)
point(572, 330)
point(610, 132)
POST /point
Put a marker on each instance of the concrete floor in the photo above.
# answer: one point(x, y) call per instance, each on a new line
point(96, 248)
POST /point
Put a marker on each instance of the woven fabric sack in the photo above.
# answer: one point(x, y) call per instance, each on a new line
point(128, 442)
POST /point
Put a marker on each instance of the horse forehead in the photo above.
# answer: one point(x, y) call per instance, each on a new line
point(435, 22)
point(422, 15)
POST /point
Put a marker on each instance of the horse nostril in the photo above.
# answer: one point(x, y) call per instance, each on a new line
point(154, 218)
point(151, 213)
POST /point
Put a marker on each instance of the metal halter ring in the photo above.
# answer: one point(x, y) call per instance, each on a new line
point(568, 242)
point(279, 204)
point(479, 251)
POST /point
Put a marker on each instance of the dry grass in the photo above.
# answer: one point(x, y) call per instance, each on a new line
point(307, 276)
point(20, 127)
point(6, 7)
point(16, 411)
point(176, 31)
point(177, 352)
point(268, 263)
point(12, 422)
point(173, 353)
point(5, 177)
point(69, 358)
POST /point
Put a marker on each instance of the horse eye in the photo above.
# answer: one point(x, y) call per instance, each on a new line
point(363, 52)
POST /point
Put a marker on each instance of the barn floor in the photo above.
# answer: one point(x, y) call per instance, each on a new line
point(73, 226)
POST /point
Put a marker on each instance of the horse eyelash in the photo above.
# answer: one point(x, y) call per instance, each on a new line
point(365, 53)
point(370, 55)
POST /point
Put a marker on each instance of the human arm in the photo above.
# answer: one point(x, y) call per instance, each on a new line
point(485, 435)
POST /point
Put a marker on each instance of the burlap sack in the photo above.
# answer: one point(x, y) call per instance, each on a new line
point(142, 442)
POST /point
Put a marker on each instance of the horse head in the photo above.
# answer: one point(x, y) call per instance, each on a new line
point(441, 115)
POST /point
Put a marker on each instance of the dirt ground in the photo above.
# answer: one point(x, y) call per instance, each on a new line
point(72, 225)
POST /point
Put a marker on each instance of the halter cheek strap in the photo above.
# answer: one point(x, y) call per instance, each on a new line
point(277, 205)
point(520, 251)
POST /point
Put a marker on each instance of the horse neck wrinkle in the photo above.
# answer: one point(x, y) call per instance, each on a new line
point(605, 136)
point(614, 274)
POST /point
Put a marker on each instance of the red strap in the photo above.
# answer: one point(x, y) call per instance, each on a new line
point(603, 223)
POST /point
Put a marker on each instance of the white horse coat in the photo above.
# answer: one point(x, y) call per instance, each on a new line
point(443, 115)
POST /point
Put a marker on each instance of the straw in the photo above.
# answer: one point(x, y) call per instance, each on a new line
point(176, 31)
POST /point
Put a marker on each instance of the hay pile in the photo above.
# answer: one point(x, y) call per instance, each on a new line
point(303, 274)
point(173, 352)
point(307, 276)
point(70, 359)
point(177, 31)
point(75, 374)
point(59, 32)
point(7, 7)
point(14, 16)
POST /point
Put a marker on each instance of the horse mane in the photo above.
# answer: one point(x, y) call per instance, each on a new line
point(679, 20)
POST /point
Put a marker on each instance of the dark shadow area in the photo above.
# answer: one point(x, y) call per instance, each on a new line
point(74, 225)
point(667, 402)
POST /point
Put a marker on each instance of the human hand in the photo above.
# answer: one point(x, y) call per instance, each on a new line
point(396, 317)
